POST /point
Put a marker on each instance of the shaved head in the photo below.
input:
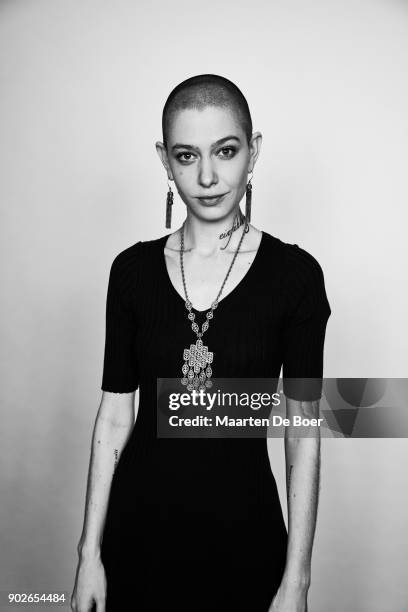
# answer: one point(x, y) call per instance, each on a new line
point(205, 90)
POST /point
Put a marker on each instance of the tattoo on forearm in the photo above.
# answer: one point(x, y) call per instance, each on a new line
point(289, 479)
point(116, 458)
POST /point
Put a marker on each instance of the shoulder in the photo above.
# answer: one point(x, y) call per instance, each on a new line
point(292, 254)
point(306, 281)
point(125, 268)
point(302, 274)
point(135, 253)
point(128, 264)
point(296, 262)
point(126, 259)
point(301, 266)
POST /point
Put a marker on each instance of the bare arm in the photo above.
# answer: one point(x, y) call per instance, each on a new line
point(114, 421)
point(113, 424)
point(302, 456)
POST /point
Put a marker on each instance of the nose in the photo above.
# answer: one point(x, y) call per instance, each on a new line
point(207, 175)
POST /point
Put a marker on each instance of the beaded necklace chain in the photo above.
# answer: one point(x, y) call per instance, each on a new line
point(197, 369)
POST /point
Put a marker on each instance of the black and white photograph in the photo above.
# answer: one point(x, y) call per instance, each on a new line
point(203, 341)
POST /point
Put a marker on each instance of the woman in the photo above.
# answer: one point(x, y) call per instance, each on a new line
point(195, 523)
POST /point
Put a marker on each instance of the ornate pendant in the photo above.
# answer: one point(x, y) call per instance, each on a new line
point(196, 369)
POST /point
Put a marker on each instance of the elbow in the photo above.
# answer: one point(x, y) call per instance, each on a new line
point(117, 410)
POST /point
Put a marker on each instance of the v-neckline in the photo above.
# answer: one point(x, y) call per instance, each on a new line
point(232, 293)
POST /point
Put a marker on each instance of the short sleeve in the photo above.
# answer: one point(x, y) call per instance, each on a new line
point(120, 371)
point(307, 313)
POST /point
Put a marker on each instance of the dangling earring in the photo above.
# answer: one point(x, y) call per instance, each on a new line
point(248, 200)
point(169, 204)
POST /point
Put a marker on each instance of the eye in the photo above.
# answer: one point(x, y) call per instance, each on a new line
point(228, 152)
point(179, 156)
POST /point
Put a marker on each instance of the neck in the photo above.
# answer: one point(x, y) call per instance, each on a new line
point(207, 237)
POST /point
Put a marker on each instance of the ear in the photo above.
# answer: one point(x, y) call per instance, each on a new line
point(254, 149)
point(162, 153)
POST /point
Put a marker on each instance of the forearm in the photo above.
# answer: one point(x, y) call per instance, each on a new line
point(108, 440)
point(302, 478)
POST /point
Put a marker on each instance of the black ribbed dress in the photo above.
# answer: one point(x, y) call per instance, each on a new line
point(196, 524)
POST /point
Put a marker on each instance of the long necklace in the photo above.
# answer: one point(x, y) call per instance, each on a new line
point(197, 369)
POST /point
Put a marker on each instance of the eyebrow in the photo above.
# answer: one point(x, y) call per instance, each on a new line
point(192, 148)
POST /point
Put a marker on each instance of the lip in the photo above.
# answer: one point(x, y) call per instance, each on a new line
point(211, 201)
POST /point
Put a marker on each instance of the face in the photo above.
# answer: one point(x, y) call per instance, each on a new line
point(208, 158)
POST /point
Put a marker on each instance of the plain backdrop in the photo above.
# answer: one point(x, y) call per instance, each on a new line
point(83, 83)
